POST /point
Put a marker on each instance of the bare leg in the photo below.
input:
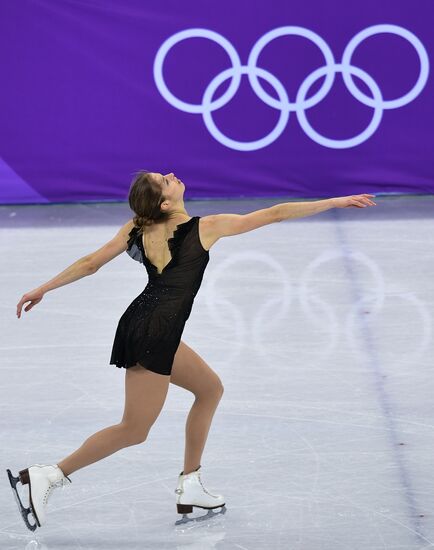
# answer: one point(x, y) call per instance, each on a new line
point(98, 446)
point(196, 430)
point(191, 372)
point(145, 393)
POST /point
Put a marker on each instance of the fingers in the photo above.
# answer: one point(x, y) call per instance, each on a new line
point(32, 303)
point(360, 201)
point(20, 306)
point(364, 201)
point(31, 299)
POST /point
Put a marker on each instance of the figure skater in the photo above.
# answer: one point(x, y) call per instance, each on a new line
point(174, 249)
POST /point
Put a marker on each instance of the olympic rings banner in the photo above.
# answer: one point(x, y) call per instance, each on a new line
point(239, 99)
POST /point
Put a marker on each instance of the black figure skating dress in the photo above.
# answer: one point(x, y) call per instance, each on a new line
point(150, 329)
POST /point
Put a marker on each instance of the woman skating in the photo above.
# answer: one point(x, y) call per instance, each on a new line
point(174, 249)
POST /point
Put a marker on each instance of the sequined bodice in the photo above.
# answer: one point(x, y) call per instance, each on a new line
point(150, 329)
point(183, 273)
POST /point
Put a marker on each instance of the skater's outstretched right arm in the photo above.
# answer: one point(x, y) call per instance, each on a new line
point(87, 265)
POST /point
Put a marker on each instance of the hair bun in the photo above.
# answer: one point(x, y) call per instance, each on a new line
point(140, 221)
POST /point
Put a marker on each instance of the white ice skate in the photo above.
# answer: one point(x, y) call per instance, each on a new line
point(42, 479)
point(192, 493)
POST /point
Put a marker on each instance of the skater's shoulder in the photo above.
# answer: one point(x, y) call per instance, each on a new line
point(112, 248)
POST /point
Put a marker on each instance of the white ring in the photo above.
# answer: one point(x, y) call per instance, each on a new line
point(288, 31)
point(195, 33)
point(244, 145)
point(414, 41)
point(341, 143)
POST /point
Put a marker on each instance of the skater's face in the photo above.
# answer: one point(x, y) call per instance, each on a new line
point(171, 186)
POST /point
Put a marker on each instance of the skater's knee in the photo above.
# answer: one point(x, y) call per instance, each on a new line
point(218, 390)
point(211, 392)
point(134, 435)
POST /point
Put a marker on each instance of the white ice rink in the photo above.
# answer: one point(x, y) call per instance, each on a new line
point(321, 330)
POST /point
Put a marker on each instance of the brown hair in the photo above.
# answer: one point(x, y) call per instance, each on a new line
point(145, 197)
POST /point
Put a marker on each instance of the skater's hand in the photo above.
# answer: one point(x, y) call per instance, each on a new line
point(353, 200)
point(34, 297)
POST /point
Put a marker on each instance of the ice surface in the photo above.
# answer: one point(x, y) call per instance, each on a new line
point(321, 330)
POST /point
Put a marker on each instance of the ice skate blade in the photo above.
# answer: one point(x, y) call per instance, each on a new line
point(25, 512)
point(211, 514)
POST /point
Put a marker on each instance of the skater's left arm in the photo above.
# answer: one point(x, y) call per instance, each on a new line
point(87, 265)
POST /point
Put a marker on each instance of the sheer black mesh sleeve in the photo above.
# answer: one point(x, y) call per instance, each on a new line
point(133, 248)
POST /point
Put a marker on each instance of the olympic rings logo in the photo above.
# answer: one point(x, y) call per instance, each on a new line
point(283, 104)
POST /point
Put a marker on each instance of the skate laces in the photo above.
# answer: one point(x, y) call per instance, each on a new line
point(52, 486)
point(180, 490)
point(203, 487)
point(62, 482)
